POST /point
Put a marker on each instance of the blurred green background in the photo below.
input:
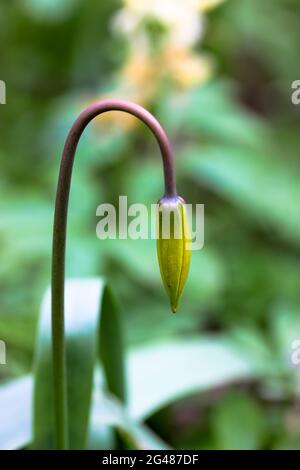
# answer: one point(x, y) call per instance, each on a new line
point(218, 76)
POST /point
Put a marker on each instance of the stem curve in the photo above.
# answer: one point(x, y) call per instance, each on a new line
point(59, 240)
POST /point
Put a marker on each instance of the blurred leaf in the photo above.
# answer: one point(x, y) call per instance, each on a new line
point(162, 373)
point(213, 111)
point(270, 29)
point(238, 423)
point(99, 145)
point(92, 328)
point(49, 10)
point(253, 342)
point(158, 374)
point(138, 258)
point(107, 412)
point(287, 443)
point(285, 329)
point(285, 336)
point(251, 181)
point(27, 220)
point(144, 180)
point(15, 402)
point(25, 250)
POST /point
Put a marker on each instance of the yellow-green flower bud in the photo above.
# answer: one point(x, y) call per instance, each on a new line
point(173, 238)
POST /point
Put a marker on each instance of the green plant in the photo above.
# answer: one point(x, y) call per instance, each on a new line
point(178, 263)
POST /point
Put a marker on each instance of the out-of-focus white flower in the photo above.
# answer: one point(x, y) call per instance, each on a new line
point(163, 10)
point(181, 18)
point(173, 61)
point(187, 28)
point(124, 22)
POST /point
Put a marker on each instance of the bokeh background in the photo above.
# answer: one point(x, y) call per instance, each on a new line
point(218, 76)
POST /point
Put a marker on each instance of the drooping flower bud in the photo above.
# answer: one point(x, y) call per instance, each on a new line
point(173, 237)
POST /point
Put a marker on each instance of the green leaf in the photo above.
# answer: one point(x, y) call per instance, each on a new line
point(162, 373)
point(252, 181)
point(158, 375)
point(50, 10)
point(107, 413)
point(93, 330)
point(213, 111)
point(206, 276)
point(108, 410)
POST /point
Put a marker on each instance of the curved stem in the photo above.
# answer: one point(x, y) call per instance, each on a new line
point(59, 240)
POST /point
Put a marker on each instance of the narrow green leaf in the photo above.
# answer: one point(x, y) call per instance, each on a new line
point(92, 327)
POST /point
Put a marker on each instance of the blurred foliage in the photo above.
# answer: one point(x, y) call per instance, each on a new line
point(219, 79)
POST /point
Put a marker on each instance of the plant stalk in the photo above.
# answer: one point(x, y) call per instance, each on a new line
point(59, 241)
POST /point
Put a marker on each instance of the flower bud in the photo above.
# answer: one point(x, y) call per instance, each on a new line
point(173, 237)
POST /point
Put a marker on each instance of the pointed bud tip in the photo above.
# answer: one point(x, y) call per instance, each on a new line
point(174, 306)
